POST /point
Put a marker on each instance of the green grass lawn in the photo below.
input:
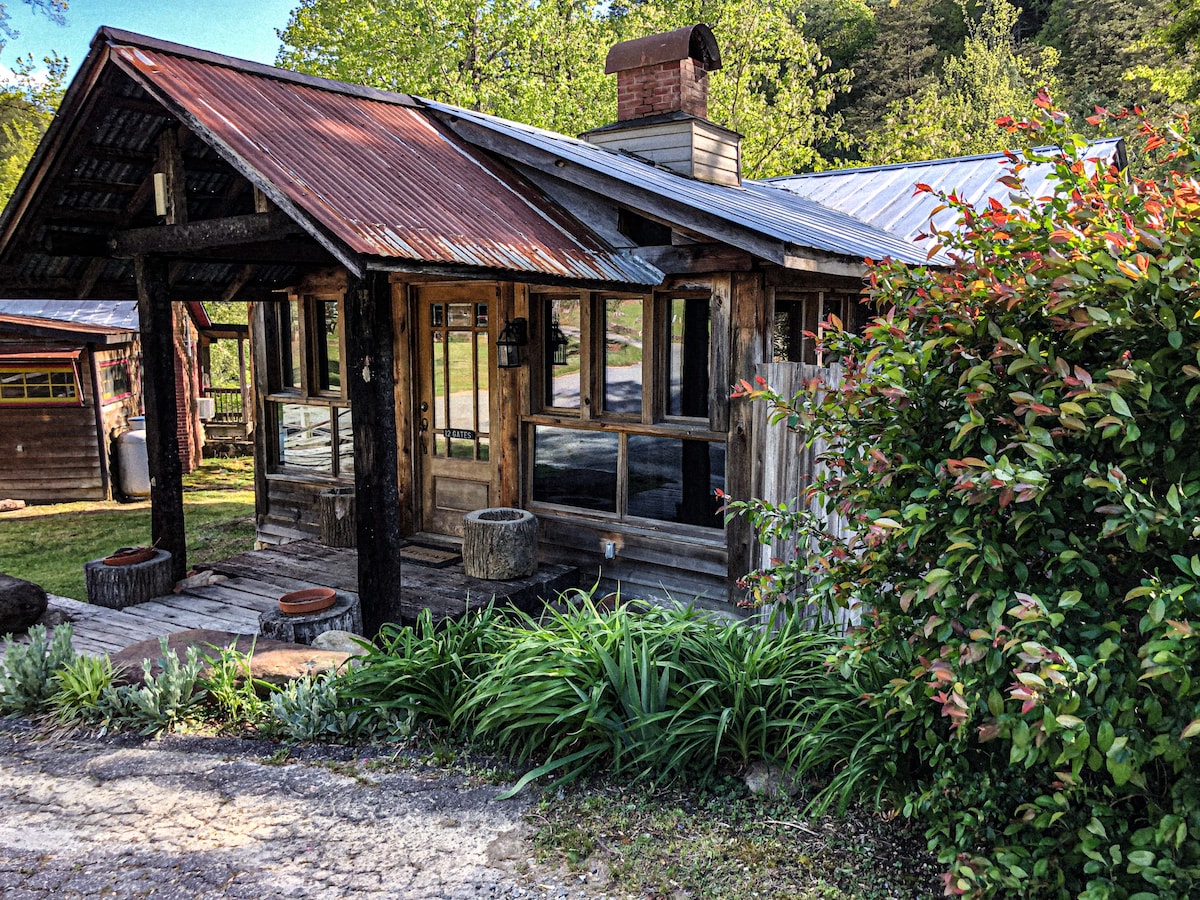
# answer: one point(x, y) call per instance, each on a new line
point(48, 545)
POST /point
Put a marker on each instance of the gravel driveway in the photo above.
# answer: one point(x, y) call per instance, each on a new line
point(185, 817)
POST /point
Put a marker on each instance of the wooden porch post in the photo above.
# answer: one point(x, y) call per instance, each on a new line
point(370, 356)
point(162, 414)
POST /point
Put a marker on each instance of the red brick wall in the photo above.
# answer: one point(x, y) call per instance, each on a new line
point(187, 388)
point(677, 85)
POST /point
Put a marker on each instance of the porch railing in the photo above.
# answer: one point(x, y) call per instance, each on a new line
point(228, 402)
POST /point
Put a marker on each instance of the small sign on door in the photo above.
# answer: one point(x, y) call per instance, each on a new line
point(461, 434)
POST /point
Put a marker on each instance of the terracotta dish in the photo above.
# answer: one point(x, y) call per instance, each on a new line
point(128, 556)
point(311, 600)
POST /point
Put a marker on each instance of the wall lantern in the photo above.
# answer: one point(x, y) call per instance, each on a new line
point(558, 344)
point(508, 346)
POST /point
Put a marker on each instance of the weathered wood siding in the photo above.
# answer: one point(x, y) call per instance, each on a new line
point(785, 467)
point(290, 511)
point(50, 454)
point(691, 146)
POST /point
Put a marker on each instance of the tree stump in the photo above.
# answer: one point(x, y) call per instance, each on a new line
point(21, 604)
point(344, 615)
point(117, 587)
point(499, 544)
point(338, 525)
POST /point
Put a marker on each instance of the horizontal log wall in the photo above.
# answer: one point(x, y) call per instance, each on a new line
point(292, 510)
point(48, 455)
point(648, 563)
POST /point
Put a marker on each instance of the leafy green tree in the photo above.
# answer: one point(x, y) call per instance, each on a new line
point(539, 62)
point(1014, 443)
point(27, 104)
point(543, 62)
point(991, 77)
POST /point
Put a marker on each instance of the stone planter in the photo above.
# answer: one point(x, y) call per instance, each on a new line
point(499, 544)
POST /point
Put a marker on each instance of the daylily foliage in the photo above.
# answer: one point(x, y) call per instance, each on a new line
point(1018, 448)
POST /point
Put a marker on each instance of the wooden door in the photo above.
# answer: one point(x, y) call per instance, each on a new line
point(454, 412)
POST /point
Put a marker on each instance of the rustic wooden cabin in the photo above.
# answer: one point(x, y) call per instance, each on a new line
point(450, 311)
point(70, 382)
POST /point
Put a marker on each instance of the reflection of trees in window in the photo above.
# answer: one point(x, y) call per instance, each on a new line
point(41, 385)
point(622, 337)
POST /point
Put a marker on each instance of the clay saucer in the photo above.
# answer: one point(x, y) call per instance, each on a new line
point(128, 556)
point(310, 600)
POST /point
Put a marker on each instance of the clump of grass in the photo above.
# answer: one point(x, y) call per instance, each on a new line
point(79, 688)
point(27, 670)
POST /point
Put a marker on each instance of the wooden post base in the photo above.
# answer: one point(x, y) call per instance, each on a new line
point(344, 615)
point(499, 544)
point(117, 587)
point(339, 527)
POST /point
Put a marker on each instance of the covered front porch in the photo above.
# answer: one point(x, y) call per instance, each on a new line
point(251, 583)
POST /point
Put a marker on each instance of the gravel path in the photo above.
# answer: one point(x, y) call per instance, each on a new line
point(186, 817)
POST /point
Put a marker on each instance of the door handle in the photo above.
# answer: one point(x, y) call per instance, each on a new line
point(424, 424)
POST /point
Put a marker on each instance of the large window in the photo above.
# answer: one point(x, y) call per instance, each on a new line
point(313, 434)
point(115, 381)
point(623, 423)
point(39, 384)
point(800, 317)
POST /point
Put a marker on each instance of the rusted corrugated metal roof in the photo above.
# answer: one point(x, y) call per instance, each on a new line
point(373, 171)
point(90, 315)
point(885, 197)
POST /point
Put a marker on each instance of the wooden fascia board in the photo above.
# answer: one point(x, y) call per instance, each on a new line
point(455, 271)
point(645, 202)
point(341, 253)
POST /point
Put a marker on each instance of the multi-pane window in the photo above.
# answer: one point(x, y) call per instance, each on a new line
point(39, 384)
point(311, 417)
point(459, 360)
point(801, 316)
point(622, 428)
point(115, 382)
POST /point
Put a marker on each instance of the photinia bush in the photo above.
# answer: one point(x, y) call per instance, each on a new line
point(1018, 449)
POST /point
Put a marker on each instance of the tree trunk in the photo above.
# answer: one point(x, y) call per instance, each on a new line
point(344, 615)
point(499, 544)
point(117, 587)
point(339, 528)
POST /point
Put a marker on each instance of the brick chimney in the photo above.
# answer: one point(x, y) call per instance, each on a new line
point(662, 105)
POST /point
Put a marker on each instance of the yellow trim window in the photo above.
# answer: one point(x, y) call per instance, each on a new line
point(39, 384)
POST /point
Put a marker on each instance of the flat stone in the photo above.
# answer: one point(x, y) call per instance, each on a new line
point(276, 662)
point(22, 603)
point(343, 641)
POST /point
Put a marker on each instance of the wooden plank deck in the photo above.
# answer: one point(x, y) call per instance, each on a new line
point(252, 582)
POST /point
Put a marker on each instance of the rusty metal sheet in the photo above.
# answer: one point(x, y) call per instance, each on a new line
point(379, 175)
point(691, 41)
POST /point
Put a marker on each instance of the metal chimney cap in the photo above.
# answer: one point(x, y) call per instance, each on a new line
point(692, 42)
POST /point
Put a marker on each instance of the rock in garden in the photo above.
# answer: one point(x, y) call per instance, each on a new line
point(275, 662)
point(767, 779)
point(345, 641)
point(21, 604)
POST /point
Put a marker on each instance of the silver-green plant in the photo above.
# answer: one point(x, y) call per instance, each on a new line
point(310, 709)
point(27, 670)
point(161, 701)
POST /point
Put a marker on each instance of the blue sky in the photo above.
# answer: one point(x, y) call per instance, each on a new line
point(244, 28)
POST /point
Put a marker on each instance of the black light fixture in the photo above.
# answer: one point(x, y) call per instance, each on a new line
point(558, 344)
point(513, 337)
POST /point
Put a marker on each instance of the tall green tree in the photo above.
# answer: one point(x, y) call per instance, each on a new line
point(539, 62)
point(993, 76)
point(543, 62)
point(27, 103)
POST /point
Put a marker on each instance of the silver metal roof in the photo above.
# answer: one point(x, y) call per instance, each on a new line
point(884, 195)
point(759, 207)
point(120, 314)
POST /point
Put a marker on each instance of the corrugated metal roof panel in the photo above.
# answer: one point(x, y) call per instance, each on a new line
point(885, 196)
point(757, 206)
point(378, 174)
point(120, 315)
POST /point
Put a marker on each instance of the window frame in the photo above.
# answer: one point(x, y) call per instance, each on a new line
point(307, 309)
point(652, 420)
point(35, 366)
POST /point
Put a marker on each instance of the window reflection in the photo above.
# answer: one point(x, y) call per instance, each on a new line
point(575, 468)
point(623, 354)
point(675, 480)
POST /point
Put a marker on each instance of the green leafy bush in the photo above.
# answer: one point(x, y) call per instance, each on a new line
point(1018, 448)
point(79, 688)
point(311, 709)
point(27, 670)
point(232, 693)
point(159, 701)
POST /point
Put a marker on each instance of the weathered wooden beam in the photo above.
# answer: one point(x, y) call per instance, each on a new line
point(240, 281)
point(749, 332)
point(695, 258)
point(158, 387)
point(370, 352)
point(169, 170)
point(205, 234)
